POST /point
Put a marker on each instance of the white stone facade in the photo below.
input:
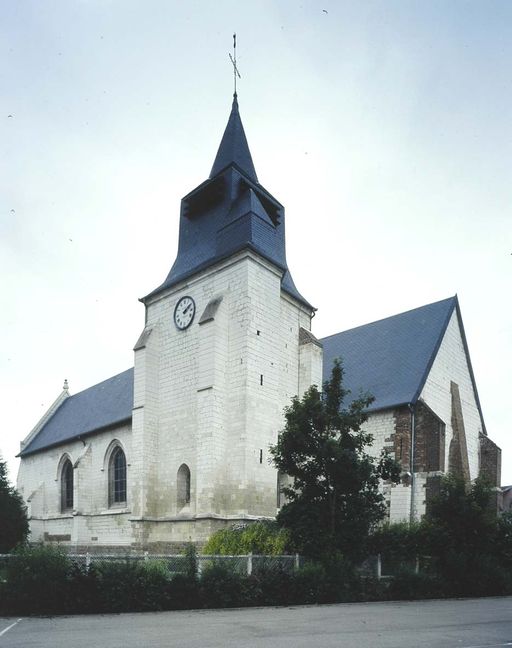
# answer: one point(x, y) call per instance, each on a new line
point(408, 499)
point(451, 365)
point(211, 397)
point(91, 521)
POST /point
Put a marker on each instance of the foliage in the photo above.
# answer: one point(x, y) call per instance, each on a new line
point(14, 527)
point(130, 586)
point(461, 517)
point(191, 560)
point(503, 541)
point(471, 548)
point(264, 538)
point(222, 587)
point(398, 540)
point(37, 581)
point(399, 544)
point(334, 501)
point(409, 585)
point(182, 593)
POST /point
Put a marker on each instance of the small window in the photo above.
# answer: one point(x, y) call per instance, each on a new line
point(117, 477)
point(280, 484)
point(183, 486)
point(66, 486)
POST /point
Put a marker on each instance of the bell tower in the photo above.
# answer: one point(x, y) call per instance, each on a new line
point(226, 345)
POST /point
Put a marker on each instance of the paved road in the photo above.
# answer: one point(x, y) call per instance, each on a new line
point(474, 623)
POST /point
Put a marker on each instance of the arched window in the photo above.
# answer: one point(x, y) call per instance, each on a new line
point(66, 486)
point(280, 484)
point(183, 486)
point(117, 477)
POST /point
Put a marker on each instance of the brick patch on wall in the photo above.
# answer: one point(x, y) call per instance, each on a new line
point(402, 437)
point(429, 435)
point(490, 460)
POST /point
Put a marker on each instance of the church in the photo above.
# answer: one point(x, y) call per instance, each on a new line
point(177, 447)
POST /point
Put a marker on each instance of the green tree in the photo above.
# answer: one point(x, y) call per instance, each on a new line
point(461, 517)
point(13, 516)
point(471, 546)
point(334, 499)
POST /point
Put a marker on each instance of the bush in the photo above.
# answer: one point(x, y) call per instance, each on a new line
point(409, 585)
point(311, 585)
point(130, 586)
point(38, 581)
point(398, 542)
point(271, 587)
point(191, 560)
point(182, 593)
point(221, 587)
point(265, 538)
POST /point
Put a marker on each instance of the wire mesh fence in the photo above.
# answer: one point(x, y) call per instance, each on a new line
point(377, 566)
point(181, 563)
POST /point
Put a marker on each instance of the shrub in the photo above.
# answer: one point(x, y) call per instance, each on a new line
point(38, 581)
point(271, 587)
point(182, 593)
point(131, 586)
point(84, 590)
point(400, 541)
point(265, 538)
point(409, 585)
point(221, 587)
point(191, 560)
point(311, 585)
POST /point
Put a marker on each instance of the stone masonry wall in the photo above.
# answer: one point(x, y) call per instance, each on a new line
point(450, 365)
point(92, 521)
point(490, 460)
point(222, 386)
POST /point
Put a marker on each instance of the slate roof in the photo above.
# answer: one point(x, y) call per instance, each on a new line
point(104, 405)
point(230, 212)
point(390, 358)
point(234, 148)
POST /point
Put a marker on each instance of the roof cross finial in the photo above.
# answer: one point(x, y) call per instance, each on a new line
point(236, 73)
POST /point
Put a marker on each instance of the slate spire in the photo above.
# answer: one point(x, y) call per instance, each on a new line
point(228, 213)
point(233, 148)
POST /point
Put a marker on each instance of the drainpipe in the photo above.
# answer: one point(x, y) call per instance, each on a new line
point(413, 478)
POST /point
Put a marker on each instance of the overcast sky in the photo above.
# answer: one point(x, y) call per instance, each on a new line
point(383, 127)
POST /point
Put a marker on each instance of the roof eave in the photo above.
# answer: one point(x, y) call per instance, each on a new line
point(77, 437)
point(435, 350)
point(470, 366)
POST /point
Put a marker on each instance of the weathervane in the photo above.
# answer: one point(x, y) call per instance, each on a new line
point(236, 73)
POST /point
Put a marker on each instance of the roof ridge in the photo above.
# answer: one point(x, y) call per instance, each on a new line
point(101, 382)
point(233, 147)
point(435, 350)
point(389, 317)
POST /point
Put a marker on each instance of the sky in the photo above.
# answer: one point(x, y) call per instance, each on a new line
point(382, 126)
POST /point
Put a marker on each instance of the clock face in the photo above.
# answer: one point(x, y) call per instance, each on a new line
point(184, 312)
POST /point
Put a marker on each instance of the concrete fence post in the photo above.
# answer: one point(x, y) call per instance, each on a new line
point(379, 567)
point(417, 565)
point(87, 561)
point(297, 561)
point(249, 564)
